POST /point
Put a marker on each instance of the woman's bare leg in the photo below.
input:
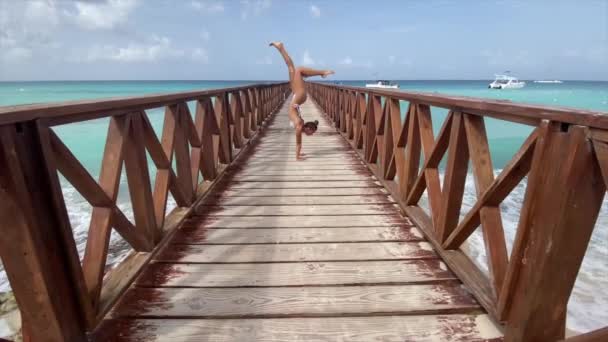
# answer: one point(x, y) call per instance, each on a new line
point(309, 72)
point(290, 66)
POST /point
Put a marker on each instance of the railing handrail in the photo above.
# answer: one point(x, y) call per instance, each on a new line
point(110, 106)
point(505, 109)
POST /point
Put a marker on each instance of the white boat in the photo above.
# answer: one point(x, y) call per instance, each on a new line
point(506, 82)
point(383, 84)
point(549, 81)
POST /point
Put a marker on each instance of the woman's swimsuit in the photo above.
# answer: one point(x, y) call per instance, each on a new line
point(299, 111)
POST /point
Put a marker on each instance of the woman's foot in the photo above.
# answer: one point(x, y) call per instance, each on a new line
point(278, 45)
point(327, 73)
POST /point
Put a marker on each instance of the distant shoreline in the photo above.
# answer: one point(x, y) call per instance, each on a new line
point(283, 80)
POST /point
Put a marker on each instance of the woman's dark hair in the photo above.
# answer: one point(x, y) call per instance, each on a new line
point(312, 125)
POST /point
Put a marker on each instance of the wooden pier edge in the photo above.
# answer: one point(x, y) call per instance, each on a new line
point(120, 278)
point(61, 299)
point(529, 298)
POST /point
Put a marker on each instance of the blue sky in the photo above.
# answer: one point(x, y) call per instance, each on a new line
point(228, 39)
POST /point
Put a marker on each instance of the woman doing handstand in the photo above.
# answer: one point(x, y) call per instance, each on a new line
point(296, 81)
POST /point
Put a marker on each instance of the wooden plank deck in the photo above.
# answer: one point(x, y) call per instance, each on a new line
point(298, 251)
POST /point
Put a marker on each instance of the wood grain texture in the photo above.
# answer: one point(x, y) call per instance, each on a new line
point(426, 328)
point(304, 184)
point(296, 274)
point(317, 192)
point(295, 177)
point(296, 252)
point(295, 301)
point(290, 210)
point(188, 235)
point(303, 167)
point(308, 162)
point(319, 173)
point(491, 221)
point(49, 286)
point(300, 200)
point(453, 186)
point(297, 221)
point(540, 314)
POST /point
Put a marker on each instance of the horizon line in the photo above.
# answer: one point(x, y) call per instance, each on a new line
point(282, 80)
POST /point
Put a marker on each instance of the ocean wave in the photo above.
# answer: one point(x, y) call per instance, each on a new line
point(79, 213)
point(589, 299)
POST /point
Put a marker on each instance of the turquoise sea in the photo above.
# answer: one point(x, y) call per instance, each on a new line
point(86, 140)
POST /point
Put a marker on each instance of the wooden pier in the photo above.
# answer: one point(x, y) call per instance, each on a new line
point(265, 248)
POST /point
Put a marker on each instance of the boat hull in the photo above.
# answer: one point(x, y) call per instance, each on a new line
point(381, 86)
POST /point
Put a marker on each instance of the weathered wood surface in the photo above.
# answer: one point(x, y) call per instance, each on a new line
point(297, 252)
point(286, 210)
point(311, 301)
point(426, 328)
point(304, 184)
point(288, 242)
point(296, 221)
point(298, 177)
point(302, 200)
point(212, 236)
point(296, 274)
point(285, 193)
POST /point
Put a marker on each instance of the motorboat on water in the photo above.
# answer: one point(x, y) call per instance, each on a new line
point(549, 81)
point(383, 84)
point(506, 82)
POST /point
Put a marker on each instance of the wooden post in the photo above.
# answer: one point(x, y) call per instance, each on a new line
point(412, 152)
point(557, 219)
point(36, 244)
point(222, 113)
point(138, 178)
point(455, 176)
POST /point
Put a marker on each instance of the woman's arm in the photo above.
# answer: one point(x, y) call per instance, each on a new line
point(299, 128)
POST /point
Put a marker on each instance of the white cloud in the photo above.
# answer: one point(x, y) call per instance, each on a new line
point(264, 61)
point(253, 7)
point(207, 6)
point(158, 48)
point(42, 13)
point(15, 54)
point(407, 62)
point(26, 28)
point(597, 54)
point(200, 55)
point(104, 15)
point(315, 11)
point(502, 59)
point(346, 61)
point(307, 59)
point(205, 35)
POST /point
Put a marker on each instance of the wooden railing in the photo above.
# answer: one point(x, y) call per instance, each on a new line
point(60, 297)
point(565, 159)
